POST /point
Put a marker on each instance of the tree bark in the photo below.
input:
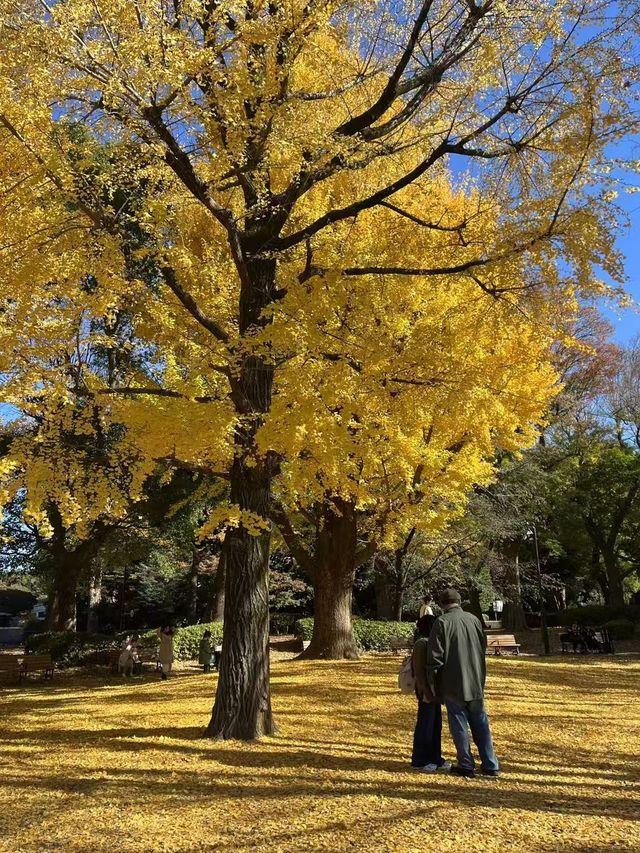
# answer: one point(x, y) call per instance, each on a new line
point(62, 600)
point(382, 584)
point(333, 578)
point(95, 599)
point(398, 603)
point(242, 707)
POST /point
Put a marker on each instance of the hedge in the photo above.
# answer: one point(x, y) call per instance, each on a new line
point(71, 648)
point(186, 641)
point(599, 614)
point(620, 629)
point(370, 635)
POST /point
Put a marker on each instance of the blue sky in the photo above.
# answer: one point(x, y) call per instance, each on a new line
point(627, 323)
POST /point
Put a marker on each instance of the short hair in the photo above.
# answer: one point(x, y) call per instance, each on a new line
point(425, 624)
point(450, 596)
point(427, 597)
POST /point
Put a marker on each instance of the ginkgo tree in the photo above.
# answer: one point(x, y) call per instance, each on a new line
point(245, 119)
point(393, 395)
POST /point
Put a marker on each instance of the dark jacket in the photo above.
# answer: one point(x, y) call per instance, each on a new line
point(419, 662)
point(456, 665)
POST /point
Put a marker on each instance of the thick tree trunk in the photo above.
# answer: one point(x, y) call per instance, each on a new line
point(217, 595)
point(615, 588)
point(242, 707)
point(333, 578)
point(62, 599)
point(95, 599)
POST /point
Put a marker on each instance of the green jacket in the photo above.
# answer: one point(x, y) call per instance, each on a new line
point(456, 666)
point(204, 656)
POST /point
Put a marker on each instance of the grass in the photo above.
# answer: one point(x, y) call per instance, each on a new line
point(103, 767)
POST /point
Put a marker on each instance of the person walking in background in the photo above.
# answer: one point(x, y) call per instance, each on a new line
point(456, 673)
point(165, 652)
point(205, 653)
point(427, 737)
point(425, 608)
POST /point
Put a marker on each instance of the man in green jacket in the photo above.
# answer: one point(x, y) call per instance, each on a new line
point(456, 672)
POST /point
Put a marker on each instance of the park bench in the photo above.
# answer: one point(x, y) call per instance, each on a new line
point(400, 644)
point(37, 664)
point(148, 656)
point(599, 641)
point(10, 667)
point(502, 642)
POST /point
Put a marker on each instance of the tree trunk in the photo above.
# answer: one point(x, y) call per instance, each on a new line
point(513, 618)
point(242, 707)
point(62, 600)
point(475, 606)
point(398, 603)
point(382, 586)
point(333, 578)
point(95, 599)
point(217, 595)
point(615, 588)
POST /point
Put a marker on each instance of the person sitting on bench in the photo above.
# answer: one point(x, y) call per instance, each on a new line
point(128, 657)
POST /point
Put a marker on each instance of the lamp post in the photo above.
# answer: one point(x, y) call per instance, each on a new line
point(543, 612)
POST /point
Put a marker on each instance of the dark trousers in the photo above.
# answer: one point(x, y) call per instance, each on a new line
point(427, 737)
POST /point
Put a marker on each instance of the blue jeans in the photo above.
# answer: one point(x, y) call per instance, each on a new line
point(427, 737)
point(471, 715)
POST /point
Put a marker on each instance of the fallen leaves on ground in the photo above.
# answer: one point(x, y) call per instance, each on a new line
point(121, 767)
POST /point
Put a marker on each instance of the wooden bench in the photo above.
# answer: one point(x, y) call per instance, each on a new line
point(37, 664)
point(502, 642)
point(10, 667)
point(148, 656)
point(400, 644)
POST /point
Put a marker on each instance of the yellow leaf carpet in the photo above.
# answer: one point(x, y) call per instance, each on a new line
point(93, 764)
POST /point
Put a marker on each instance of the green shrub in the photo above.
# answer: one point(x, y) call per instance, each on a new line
point(303, 628)
point(186, 642)
point(599, 614)
point(70, 648)
point(370, 635)
point(620, 629)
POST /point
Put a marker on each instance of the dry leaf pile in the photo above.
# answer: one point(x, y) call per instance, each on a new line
point(92, 765)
